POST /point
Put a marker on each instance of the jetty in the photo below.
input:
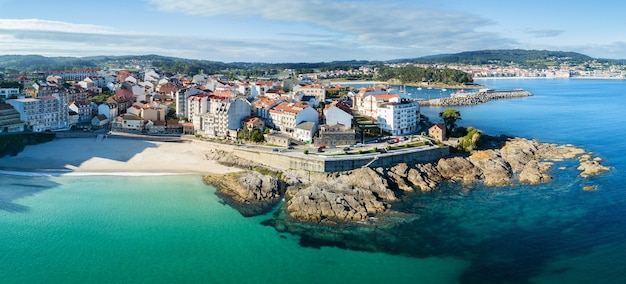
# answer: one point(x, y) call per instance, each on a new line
point(482, 96)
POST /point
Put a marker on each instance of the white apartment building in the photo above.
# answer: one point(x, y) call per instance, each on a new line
point(399, 116)
point(182, 104)
point(43, 113)
point(225, 116)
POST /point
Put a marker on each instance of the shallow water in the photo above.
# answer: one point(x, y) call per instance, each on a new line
point(174, 228)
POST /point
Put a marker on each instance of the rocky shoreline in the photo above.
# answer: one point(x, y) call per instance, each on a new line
point(361, 196)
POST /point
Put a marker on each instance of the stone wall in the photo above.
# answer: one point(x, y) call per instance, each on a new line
point(323, 163)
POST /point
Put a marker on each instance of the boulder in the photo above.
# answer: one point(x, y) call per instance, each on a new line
point(251, 193)
point(591, 168)
point(495, 170)
point(424, 176)
point(534, 172)
point(458, 169)
point(323, 203)
point(517, 152)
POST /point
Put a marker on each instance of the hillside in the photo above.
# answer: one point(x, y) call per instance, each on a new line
point(523, 58)
point(171, 65)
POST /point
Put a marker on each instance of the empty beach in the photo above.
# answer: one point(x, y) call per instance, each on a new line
point(116, 156)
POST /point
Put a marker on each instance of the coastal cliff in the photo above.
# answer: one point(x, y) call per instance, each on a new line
point(359, 195)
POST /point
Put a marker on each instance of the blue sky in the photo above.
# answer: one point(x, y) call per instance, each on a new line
point(308, 31)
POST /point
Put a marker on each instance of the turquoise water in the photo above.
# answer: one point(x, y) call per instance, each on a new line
point(174, 228)
point(169, 230)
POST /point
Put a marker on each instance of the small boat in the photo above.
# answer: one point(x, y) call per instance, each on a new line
point(430, 88)
point(419, 88)
point(444, 89)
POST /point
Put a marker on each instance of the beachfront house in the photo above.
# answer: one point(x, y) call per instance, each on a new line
point(128, 123)
point(99, 121)
point(437, 131)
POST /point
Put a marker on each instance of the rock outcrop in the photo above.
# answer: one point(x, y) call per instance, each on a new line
point(358, 195)
point(250, 192)
point(344, 197)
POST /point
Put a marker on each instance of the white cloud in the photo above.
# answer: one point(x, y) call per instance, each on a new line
point(51, 26)
point(371, 23)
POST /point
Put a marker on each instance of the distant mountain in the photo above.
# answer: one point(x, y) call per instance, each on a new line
point(24, 63)
point(521, 57)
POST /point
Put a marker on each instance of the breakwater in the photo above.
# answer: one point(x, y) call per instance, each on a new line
point(480, 97)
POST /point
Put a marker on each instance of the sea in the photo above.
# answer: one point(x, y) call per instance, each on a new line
point(58, 228)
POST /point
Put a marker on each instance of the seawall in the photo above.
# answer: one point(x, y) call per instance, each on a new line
point(338, 163)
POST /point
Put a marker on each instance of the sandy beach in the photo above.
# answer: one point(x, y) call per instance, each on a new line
point(117, 156)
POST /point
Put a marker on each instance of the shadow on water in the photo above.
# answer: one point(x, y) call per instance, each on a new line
point(509, 235)
point(28, 173)
point(13, 187)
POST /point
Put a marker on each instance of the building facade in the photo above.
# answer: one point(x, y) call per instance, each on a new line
point(335, 134)
point(399, 117)
point(43, 113)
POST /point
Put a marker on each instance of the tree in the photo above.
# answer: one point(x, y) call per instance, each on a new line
point(450, 117)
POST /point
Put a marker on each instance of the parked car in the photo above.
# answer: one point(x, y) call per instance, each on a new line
point(346, 149)
point(290, 148)
point(275, 150)
point(320, 149)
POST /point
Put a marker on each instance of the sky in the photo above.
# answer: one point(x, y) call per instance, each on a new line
point(276, 31)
